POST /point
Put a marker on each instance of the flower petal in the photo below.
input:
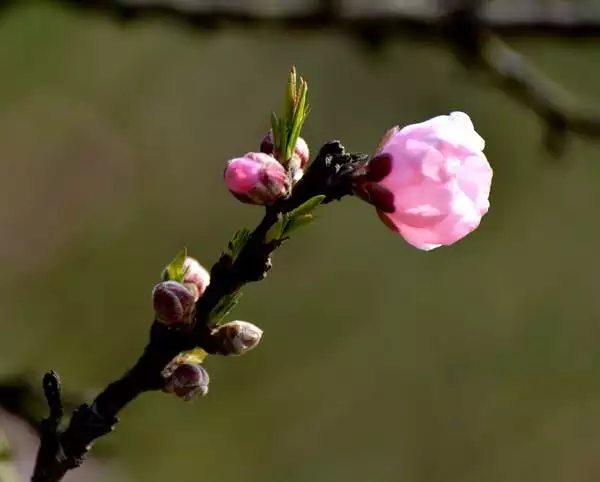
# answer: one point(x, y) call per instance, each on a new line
point(423, 204)
point(438, 177)
point(475, 180)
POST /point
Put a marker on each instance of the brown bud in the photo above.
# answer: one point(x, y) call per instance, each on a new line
point(301, 150)
point(236, 337)
point(187, 381)
point(173, 303)
point(266, 145)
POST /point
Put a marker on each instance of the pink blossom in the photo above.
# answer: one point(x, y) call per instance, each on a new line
point(430, 182)
point(196, 278)
point(257, 178)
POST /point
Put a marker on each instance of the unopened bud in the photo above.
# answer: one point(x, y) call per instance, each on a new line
point(267, 145)
point(187, 380)
point(236, 337)
point(257, 178)
point(295, 168)
point(196, 278)
point(300, 150)
point(173, 303)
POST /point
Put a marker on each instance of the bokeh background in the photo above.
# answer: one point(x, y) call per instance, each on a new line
point(379, 363)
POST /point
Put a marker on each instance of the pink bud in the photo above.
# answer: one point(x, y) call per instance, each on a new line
point(173, 303)
point(301, 149)
point(196, 278)
point(187, 381)
point(257, 178)
point(430, 182)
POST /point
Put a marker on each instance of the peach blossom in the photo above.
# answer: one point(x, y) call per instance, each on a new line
point(430, 182)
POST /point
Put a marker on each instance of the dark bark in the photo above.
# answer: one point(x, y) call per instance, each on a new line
point(60, 451)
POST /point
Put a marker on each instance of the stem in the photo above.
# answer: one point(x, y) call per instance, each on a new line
point(330, 174)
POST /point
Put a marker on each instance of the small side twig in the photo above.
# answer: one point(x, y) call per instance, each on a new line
point(328, 175)
point(52, 392)
point(49, 446)
point(19, 397)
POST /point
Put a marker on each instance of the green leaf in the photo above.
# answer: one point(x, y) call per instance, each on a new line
point(298, 222)
point(276, 231)
point(224, 307)
point(197, 355)
point(275, 131)
point(307, 207)
point(291, 96)
point(175, 270)
point(282, 136)
point(286, 129)
point(298, 119)
point(301, 216)
point(237, 243)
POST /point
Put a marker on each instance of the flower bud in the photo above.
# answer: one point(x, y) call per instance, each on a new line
point(236, 337)
point(173, 303)
point(196, 278)
point(187, 380)
point(301, 150)
point(257, 178)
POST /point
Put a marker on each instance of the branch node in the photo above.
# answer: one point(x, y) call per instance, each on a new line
point(52, 391)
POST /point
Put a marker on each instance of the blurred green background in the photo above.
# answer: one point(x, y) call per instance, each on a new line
point(379, 363)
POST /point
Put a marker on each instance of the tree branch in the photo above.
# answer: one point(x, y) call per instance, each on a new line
point(478, 48)
point(20, 398)
point(463, 25)
point(330, 14)
point(330, 175)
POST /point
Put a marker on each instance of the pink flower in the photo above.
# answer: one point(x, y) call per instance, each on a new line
point(257, 178)
point(301, 150)
point(430, 182)
point(196, 278)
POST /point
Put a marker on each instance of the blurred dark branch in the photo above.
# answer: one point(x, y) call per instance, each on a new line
point(60, 451)
point(326, 14)
point(20, 398)
point(478, 48)
point(460, 23)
